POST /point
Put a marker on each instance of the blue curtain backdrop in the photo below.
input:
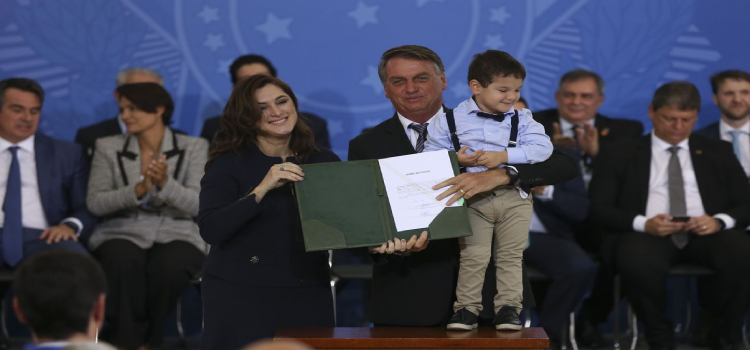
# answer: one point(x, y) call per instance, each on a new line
point(328, 50)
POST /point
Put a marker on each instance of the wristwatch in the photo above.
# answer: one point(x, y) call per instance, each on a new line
point(722, 224)
point(512, 175)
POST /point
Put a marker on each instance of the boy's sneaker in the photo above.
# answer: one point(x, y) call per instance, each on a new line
point(463, 320)
point(507, 319)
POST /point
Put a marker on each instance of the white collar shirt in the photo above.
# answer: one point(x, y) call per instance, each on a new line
point(411, 133)
point(31, 202)
point(724, 131)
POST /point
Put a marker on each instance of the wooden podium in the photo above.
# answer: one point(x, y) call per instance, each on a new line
point(415, 338)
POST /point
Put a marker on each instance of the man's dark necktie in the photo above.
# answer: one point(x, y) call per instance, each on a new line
point(677, 205)
point(421, 129)
point(496, 117)
point(13, 229)
point(587, 160)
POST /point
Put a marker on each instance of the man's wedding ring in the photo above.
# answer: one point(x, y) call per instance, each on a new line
point(463, 193)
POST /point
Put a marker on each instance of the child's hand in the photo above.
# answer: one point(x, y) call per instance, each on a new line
point(468, 159)
point(493, 159)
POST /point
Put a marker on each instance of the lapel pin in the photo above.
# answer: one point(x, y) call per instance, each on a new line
point(698, 152)
point(604, 132)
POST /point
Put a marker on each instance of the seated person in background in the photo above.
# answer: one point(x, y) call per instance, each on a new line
point(42, 180)
point(60, 296)
point(145, 184)
point(673, 197)
point(249, 65)
point(87, 135)
point(576, 122)
point(731, 93)
point(577, 127)
point(258, 276)
point(554, 251)
point(498, 135)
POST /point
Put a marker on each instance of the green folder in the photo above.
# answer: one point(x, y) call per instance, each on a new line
point(345, 205)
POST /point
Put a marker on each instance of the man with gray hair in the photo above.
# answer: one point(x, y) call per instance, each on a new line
point(576, 127)
point(87, 136)
point(424, 282)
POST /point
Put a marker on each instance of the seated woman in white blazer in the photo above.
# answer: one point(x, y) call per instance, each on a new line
point(145, 185)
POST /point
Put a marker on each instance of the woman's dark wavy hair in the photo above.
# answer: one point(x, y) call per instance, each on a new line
point(239, 123)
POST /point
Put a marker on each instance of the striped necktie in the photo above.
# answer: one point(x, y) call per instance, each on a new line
point(421, 129)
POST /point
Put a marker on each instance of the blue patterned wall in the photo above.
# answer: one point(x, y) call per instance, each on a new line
point(328, 50)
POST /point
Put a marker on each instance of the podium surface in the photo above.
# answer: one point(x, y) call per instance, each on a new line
point(415, 338)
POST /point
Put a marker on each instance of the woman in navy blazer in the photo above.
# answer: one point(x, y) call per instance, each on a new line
point(257, 276)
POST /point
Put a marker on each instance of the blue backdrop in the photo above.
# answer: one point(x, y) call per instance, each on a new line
point(328, 50)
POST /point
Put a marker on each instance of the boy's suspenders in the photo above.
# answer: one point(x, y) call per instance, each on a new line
point(454, 137)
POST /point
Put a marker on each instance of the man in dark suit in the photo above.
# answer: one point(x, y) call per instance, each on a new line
point(554, 251)
point(642, 189)
point(731, 93)
point(249, 65)
point(44, 192)
point(576, 125)
point(60, 296)
point(417, 289)
point(87, 136)
point(576, 122)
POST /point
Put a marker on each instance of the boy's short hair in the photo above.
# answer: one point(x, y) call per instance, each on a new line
point(581, 74)
point(735, 74)
point(682, 95)
point(56, 292)
point(412, 52)
point(490, 64)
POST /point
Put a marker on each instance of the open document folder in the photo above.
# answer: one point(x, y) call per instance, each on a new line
point(365, 203)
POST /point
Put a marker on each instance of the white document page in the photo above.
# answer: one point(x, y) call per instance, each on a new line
point(408, 182)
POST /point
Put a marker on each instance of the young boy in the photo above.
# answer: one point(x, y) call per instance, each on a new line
point(497, 135)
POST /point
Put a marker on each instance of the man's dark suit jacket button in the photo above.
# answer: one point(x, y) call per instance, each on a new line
point(254, 259)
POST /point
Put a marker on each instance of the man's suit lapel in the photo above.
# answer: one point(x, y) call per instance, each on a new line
point(603, 125)
point(399, 142)
point(44, 155)
point(701, 167)
point(643, 170)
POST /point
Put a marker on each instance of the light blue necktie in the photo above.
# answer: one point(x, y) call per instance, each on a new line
point(736, 143)
point(13, 227)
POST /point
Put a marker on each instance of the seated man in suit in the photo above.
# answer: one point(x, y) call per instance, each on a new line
point(60, 296)
point(553, 248)
point(675, 197)
point(44, 191)
point(577, 125)
point(87, 136)
point(249, 65)
point(576, 122)
point(731, 93)
point(423, 283)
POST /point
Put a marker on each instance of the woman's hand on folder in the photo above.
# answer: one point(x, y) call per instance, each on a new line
point(469, 184)
point(276, 177)
point(401, 246)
